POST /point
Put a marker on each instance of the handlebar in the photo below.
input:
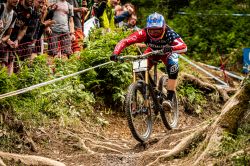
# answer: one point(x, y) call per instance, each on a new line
point(143, 56)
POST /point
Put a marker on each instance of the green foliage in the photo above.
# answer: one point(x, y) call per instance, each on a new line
point(235, 142)
point(194, 96)
point(108, 83)
point(73, 97)
point(62, 99)
point(9, 139)
point(210, 30)
point(7, 83)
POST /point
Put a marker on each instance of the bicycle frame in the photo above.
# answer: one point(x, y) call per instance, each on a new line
point(152, 82)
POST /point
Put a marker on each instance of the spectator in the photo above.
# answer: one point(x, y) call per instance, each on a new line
point(130, 7)
point(24, 13)
point(131, 24)
point(41, 7)
point(79, 14)
point(29, 40)
point(97, 9)
point(62, 31)
point(123, 14)
point(106, 13)
point(7, 21)
point(118, 11)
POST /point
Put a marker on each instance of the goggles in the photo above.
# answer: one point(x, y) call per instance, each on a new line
point(155, 32)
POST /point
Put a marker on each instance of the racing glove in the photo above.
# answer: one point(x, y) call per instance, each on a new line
point(167, 49)
point(114, 57)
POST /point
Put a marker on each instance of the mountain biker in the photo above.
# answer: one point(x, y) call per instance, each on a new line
point(158, 35)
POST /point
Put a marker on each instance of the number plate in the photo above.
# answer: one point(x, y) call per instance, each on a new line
point(140, 65)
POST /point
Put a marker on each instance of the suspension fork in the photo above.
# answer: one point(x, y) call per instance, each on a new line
point(146, 89)
point(150, 89)
point(134, 77)
point(155, 74)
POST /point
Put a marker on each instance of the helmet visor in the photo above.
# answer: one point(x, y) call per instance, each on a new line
point(155, 32)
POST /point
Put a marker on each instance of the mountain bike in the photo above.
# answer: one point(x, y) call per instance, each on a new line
point(144, 98)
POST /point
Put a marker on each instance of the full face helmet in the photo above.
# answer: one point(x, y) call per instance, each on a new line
point(155, 26)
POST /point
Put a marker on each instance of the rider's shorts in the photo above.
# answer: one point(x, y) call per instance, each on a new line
point(170, 61)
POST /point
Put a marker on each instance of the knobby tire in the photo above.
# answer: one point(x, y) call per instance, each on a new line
point(136, 90)
point(168, 123)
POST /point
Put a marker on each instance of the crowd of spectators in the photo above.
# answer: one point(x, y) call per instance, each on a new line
point(29, 28)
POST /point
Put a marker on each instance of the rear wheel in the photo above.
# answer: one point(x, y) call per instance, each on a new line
point(169, 118)
point(138, 114)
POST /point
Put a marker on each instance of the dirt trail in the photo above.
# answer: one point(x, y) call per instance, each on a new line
point(110, 144)
point(113, 145)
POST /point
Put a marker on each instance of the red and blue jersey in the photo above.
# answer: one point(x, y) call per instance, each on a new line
point(170, 38)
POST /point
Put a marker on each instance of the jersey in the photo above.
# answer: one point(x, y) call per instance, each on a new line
point(170, 38)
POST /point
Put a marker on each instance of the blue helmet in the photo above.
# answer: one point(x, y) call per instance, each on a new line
point(155, 20)
point(156, 26)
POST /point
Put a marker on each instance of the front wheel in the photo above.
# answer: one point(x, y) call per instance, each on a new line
point(137, 112)
point(169, 118)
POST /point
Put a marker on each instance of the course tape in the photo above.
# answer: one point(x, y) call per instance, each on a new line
point(218, 14)
point(20, 91)
point(227, 72)
point(223, 84)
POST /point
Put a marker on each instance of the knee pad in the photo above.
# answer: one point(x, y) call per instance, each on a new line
point(173, 71)
point(173, 66)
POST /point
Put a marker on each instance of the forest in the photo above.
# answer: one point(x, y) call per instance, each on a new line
point(80, 120)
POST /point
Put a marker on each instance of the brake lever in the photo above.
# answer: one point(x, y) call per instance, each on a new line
point(121, 59)
point(158, 52)
point(161, 52)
